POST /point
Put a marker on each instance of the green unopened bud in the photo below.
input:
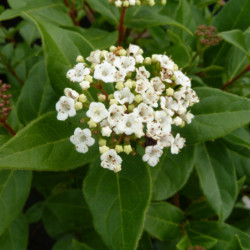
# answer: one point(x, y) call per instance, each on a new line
point(124, 108)
point(103, 149)
point(122, 52)
point(131, 107)
point(78, 105)
point(92, 124)
point(138, 2)
point(176, 67)
point(101, 98)
point(80, 59)
point(173, 78)
point(163, 2)
point(82, 98)
point(102, 142)
point(147, 61)
point(119, 86)
point(111, 96)
point(182, 124)
point(127, 149)
point(88, 78)
point(138, 98)
point(118, 149)
point(128, 84)
point(154, 58)
point(117, 168)
point(112, 48)
point(126, 3)
point(113, 101)
point(170, 92)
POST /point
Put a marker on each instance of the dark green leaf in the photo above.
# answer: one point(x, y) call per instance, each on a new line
point(118, 202)
point(163, 221)
point(44, 145)
point(235, 244)
point(16, 236)
point(35, 212)
point(14, 190)
point(217, 114)
point(213, 163)
point(172, 173)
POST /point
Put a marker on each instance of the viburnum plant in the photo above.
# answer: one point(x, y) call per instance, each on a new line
point(141, 111)
point(124, 124)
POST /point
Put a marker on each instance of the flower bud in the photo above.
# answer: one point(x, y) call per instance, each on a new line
point(118, 148)
point(147, 61)
point(138, 98)
point(131, 107)
point(113, 101)
point(78, 105)
point(103, 149)
point(92, 124)
point(122, 52)
point(82, 98)
point(101, 98)
point(88, 78)
point(112, 48)
point(80, 59)
point(102, 142)
point(119, 86)
point(127, 149)
point(170, 92)
point(85, 85)
point(154, 58)
point(117, 168)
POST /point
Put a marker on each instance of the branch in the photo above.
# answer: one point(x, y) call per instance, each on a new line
point(121, 28)
point(8, 127)
point(89, 12)
point(244, 71)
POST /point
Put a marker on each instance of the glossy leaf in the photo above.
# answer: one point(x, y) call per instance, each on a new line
point(171, 173)
point(14, 190)
point(163, 221)
point(118, 202)
point(66, 212)
point(213, 162)
point(44, 145)
point(37, 96)
point(16, 236)
point(217, 114)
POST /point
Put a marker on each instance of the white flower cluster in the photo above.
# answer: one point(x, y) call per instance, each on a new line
point(127, 3)
point(139, 101)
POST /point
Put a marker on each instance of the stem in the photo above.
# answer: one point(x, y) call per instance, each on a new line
point(8, 127)
point(176, 200)
point(244, 71)
point(121, 28)
point(66, 3)
point(89, 12)
point(72, 13)
point(10, 69)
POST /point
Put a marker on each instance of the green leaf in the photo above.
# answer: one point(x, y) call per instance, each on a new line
point(14, 190)
point(163, 221)
point(44, 145)
point(16, 236)
point(145, 17)
point(217, 114)
point(29, 32)
point(61, 48)
point(171, 173)
point(220, 234)
point(66, 212)
point(145, 242)
point(235, 244)
point(238, 39)
point(37, 96)
point(118, 202)
point(110, 12)
point(185, 17)
point(236, 14)
point(35, 212)
point(213, 162)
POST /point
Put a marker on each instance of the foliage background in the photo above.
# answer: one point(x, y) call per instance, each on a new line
point(51, 197)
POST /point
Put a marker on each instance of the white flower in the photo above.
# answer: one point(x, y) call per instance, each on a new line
point(111, 160)
point(177, 144)
point(142, 85)
point(105, 72)
point(130, 124)
point(106, 131)
point(118, 3)
point(133, 50)
point(152, 155)
point(110, 57)
point(157, 84)
point(85, 85)
point(188, 117)
point(82, 140)
point(169, 105)
point(71, 94)
point(164, 119)
point(120, 76)
point(125, 63)
point(132, 2)
point(65, 107)
point(150, 98)
point(145, 112)
point(177, 121)
point(94, 56)
point(154, 130)
point(116, 114)
point(77, 74)
point(165, 141)
point(124, 96)
point(166, 63)
point(142, 73)
point(97, 111)
point(246, 201)
point(182, 79)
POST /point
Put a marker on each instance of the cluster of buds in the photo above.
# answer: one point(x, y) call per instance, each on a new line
point(128, 3)
point(208, 35)
point(5, 97)
point(139, 100)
